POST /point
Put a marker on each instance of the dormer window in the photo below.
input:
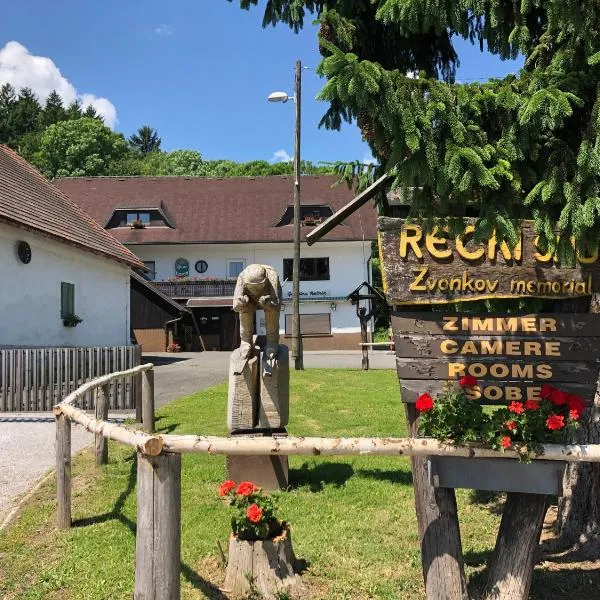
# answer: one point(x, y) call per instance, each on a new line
point(310, 215)
point(138, 219)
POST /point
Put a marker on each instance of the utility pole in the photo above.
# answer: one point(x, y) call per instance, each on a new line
point(297, 352)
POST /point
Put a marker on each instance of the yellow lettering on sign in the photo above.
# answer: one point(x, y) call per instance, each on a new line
point(543, 258)
point(482, 324)
point(512, 348)
point(512, 393)
point(544, 371)
point(504, 249)
point(411, 235)
point(528, 324)
point(469, 348)
point(449, 346)
point(488, 347)
point(552, 348)
point(522, 371)
point(510, 324)
point(450, 324)
point(499, 370)
point(416, 285)
point(456, 369)
point(437, 246)
point(465, 252)
point(530, 348)
point(547, 324)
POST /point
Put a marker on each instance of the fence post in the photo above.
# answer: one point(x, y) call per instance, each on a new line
point(148, 401)
point(158, 532)
point(63, 471)
point(137, 384)
point(101, 443)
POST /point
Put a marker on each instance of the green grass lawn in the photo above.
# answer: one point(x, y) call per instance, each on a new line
point(352, 518)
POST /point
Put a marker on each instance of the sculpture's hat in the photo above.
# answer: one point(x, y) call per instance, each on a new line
point(255, 276)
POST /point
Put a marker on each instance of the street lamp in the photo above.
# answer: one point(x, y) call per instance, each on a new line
point(297, 352)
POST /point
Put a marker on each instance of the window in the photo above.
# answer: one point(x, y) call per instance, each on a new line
point(150, 275)
point(141, 217)
point(318, 324)
point(310, 214)
point(235, 267)
point(311, 269)
point(67, 299)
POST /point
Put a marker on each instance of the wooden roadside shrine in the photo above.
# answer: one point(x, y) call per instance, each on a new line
point(511, 355)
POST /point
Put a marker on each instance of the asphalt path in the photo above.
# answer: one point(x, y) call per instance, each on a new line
point(27, 439)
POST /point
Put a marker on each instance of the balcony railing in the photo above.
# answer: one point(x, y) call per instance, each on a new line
point(197, 289)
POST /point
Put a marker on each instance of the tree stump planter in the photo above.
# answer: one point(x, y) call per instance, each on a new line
point(264, 566)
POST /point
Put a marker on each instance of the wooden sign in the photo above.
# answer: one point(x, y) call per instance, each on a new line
point(512, 356)
point(421, 268)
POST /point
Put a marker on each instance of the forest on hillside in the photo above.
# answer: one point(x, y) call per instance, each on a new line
point(73, 141)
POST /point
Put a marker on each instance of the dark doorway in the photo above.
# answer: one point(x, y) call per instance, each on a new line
point(230, 331)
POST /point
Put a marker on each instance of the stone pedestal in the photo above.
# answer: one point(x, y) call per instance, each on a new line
point(274, 401)
point(243, 393)
point(268, 472)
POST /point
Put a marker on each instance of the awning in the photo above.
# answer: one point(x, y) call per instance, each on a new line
point(203, 302)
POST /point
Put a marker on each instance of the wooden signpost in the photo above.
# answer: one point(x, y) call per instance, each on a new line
point(511, 355)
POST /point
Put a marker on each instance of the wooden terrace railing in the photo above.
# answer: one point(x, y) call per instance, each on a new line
point(197, 289)
point(158, 533)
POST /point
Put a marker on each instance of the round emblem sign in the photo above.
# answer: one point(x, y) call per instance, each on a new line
point(182, 267)
point(201, 266)
point(24, 252)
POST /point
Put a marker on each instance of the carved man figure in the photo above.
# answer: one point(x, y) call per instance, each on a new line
point(258, 287)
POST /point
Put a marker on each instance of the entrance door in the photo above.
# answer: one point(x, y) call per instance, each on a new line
point(230, 331)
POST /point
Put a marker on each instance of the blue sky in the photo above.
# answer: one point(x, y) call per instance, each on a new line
point(197, 70)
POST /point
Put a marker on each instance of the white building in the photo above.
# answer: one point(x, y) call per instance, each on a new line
point(57, 264)
point(196, 235)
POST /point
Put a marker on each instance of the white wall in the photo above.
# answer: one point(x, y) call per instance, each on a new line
point(30, 294)
point(347, 270)
point(347, 261)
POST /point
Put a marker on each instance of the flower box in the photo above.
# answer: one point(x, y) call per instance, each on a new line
point(497, 474)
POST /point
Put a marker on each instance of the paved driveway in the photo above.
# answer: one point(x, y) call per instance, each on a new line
point(176, 375)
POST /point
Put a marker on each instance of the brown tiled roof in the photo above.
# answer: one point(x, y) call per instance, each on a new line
point(30, 201)
point(205, 210)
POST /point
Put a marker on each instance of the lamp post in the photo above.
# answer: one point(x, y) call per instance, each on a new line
point(297, 352)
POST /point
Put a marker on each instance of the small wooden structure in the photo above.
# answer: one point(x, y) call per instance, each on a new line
point(365, 293)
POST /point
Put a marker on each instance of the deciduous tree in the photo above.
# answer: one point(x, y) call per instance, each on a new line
point(81, 147)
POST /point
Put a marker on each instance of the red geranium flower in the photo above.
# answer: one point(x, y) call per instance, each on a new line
point(511, 425)
point(254, 513)
point(532, 405)
point(546, 391)
point(246, 488)
point(226, 487)
point(558, 397)
point(506, 441)
point(576, 403)
point(424, 403)
point(516, 407)
point(554, 422)
point(468, 381)
point(574, 414)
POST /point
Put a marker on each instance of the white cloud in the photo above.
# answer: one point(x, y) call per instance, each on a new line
point(281, 156)
point(369, 159)
point(22, 69)
point(164, 30)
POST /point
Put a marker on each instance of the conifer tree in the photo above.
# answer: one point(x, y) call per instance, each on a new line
point(145, 140)
point(8, 100)
point(91, 113)
point(527, 145)
point(53, 111)
point(74, 111)
point(26, 114)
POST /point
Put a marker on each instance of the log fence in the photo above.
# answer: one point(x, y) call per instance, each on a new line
point(158, 532)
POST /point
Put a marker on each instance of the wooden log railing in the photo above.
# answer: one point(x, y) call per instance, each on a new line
point(158, 537)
